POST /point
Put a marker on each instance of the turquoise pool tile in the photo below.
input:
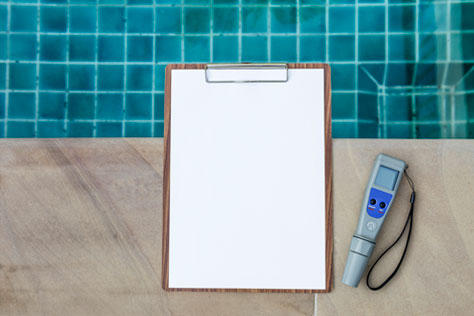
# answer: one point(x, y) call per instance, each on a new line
point(53, 19)
point(400, 74)
point(344, 129)
point(21, 105)
point(159, 111)
point(82, 19)
point(371, 48)
point(431, 17)
point(313, 2)
point(254, 49)
point(2, 105)
point(2, 129)
point(22, 76)
point(254, 19)
point(312, 20)
point(81, 106)
point(51, 129)
point(343, 105)
point(283, 19)
point(365, 81)
point(260, 2)
point(110, 106)
point(367, 106)
point(135, 129)
point(160, 77)
point(168, 20)
point(341, 47)
point(283, 49)
point(398, 108)
point(111, 48)
point(225, 20)
point(341, 1)
point(158, 129)
point(225, 49)
point(399, 131)
point(455, 71)
point(139, 48)
point(284, 2)
point(429, 74)
point(139, 77)
point(402, 47)
point(168, 1)
point(427, 108)
point(23, 18)
point(79, 1)
point(109, 129)
point(139, 2)
point(80, 129)
point(82, 48)
point(432, 47)
point(196, 20)
point(3, 75)
point(341, 19)
point(462, 16)
point(467, 46)
point(138, 106)
point(3, 18)
point(197, 2)
point(346, 71)
point(196, 49)
point(107, 2)
point(428, 130)
point(23, 47)
point(20, 129)
point(53, 47)
point(313, 48)
point(81, 77)
point(140, 20)
point(52, 77)
point(371, 19)
point(227, 1)
point(401, 18)
point(111, 19)
point(110, 77)
point(52, 105)
point(367, 130)
point(3, 47)
point(168, 48)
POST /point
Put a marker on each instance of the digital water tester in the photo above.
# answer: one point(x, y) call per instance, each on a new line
point(383, 185)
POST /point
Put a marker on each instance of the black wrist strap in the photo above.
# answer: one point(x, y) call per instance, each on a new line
point(409, 220)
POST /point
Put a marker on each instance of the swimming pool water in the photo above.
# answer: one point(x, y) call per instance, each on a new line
point(82, 68)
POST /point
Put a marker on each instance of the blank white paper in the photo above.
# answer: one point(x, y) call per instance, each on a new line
point(247, 183)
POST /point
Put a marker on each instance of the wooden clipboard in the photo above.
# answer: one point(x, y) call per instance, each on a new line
point(328, 184)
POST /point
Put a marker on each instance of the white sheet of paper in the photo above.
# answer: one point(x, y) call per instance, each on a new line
point(247, 183)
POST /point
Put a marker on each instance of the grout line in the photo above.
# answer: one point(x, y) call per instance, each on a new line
point(298, 29)
point(153, 79)
point(211, 34)
point(66, 107)
point(327, 30)
point(183, 16)
point(356, 72)
point(239, 38)
point(269, 35)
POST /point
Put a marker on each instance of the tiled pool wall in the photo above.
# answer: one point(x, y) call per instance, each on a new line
point(82, 68)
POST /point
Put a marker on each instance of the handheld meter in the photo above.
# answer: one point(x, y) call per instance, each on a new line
point(379, 194)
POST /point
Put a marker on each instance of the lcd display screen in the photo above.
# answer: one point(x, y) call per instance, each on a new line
point(386, 178)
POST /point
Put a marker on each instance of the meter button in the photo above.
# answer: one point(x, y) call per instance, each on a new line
point(371, 226)
point(382, 204)
point(373, 201)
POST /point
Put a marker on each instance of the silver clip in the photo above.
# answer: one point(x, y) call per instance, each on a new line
point(276, 67)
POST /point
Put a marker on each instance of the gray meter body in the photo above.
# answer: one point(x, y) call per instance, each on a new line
point(379, 194)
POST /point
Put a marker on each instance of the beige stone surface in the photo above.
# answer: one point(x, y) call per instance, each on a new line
point(437, 276)
point(80, 233)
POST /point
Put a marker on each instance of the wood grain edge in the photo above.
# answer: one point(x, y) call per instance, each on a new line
point(328, 180)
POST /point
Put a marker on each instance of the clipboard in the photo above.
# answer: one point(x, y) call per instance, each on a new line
point(181, 232)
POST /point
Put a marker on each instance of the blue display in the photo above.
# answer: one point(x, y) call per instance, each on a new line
point(378, 202)
point(386, 178)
